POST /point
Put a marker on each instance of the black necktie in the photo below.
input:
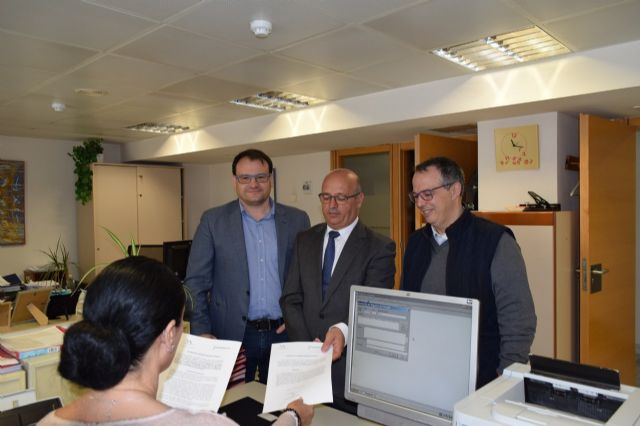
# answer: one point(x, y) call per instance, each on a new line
point(329, 255)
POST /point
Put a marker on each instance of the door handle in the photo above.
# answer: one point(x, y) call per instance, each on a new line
point(599, 271)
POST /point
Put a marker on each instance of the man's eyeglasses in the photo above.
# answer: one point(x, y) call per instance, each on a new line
point(260, 178)
point(326, 198)
point(427, 194)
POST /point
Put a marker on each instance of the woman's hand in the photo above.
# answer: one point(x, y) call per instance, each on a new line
point(304, 411)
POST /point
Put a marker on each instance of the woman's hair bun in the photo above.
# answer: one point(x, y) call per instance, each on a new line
point(94, 355)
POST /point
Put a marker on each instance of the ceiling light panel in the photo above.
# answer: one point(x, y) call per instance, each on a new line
point(166, 129)
point(277, 101)
point(503, 49)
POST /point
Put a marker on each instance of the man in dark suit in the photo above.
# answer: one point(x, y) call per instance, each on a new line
point(238, 262)
point(327, 260)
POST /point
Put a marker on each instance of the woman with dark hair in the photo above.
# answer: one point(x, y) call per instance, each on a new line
point(131, 327)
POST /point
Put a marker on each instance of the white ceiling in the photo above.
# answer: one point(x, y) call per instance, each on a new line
point(181, 61)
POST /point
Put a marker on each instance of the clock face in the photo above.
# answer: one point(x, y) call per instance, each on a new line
point(517, 148)
point(514, 146)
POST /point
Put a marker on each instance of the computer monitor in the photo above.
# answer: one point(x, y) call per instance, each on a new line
point(410, 356)
point(153, 251)
point(176, 256)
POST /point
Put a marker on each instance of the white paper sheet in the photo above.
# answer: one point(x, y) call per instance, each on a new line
point(198, 377)
point(298, 369)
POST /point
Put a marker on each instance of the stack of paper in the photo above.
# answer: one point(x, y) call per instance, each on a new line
point(8, 364)
point(30, 343)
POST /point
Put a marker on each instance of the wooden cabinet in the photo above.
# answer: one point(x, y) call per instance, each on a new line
point(43, 377)
point(13, 382)
point(549, 244)
point(137, 202)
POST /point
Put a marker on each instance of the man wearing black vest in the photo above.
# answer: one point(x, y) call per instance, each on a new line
point(459, 254)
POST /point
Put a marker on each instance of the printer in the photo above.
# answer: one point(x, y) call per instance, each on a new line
point(564, 394)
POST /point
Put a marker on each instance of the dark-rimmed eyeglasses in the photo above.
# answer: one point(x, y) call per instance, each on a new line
point(427, 194)
point(325, 197)
point(259, 178)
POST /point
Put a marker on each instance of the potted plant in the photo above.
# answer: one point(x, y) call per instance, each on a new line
point(83, 155)
point(63, 301)
point(58, 267)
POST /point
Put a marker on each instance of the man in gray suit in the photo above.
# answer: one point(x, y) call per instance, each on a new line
point(327, 260)
point(238, 262)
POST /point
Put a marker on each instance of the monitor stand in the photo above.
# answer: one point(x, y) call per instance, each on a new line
point(390, 419)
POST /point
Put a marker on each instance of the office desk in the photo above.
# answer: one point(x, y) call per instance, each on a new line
point(323, 415)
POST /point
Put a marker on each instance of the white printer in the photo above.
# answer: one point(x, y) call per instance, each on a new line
point(526, 396)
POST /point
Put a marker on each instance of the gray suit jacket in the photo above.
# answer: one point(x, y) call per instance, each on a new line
point(218, 275)
point(367, 259)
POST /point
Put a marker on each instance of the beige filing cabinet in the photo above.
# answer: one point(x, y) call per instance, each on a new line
point(42, 375)
point(13, 382)
point(549, 242)
point(133, 201)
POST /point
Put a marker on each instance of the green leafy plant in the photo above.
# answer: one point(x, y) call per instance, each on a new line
point(83, 155)
point(58, 267)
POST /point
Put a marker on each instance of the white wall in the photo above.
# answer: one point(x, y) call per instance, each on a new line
point(212, 185)
point(292, 172)
point(638, 243)
point(50, 210)
point(558, 137)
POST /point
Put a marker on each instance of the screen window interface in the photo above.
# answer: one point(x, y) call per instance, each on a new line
point(413, 353)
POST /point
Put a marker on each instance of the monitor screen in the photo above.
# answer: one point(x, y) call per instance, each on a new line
point(153, 251)
point(176, 256)
point(410, 356)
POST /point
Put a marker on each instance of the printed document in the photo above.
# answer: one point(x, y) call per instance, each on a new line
point(298, 369)
point(198, 376)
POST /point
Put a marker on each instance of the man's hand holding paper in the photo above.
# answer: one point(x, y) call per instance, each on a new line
point(298, 369)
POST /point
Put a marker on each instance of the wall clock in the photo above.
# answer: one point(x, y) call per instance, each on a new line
point(517, 148)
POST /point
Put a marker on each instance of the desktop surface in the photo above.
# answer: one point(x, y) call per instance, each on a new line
point(323, 415)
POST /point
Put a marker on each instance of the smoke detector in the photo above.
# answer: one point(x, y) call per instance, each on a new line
point(58, 106)
point(261, 28)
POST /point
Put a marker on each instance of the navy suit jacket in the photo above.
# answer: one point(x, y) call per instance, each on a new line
point(367, 258)
point(218, 274)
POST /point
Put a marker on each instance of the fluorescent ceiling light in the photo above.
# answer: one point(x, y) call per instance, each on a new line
point(277, 101)
point(158, 128)
point(503, 49)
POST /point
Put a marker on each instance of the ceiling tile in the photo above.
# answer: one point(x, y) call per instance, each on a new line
point(21, 51)
point(70, 21)
point(356, 10)
point(210, 89)
point(216, 114)
point(120, 70)
point(410, 69)
point(333, 87)
point(345, 49)
point(19, 80)
point(440, 23)
point(158, 10)
point(34, 108)
point(230, 20)
point(270, 72)
point(159, 104)
point(586, 32)
point(544, 10)
point(176, 47)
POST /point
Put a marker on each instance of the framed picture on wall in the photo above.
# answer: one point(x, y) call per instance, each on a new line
point(12, 230)
point(517, 148)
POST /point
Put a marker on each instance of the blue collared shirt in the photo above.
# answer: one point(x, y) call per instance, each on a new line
point(261, 243)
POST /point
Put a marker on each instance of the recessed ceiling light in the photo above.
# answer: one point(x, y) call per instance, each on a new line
point(91, 92)
point(503, 49)
point(277, 101)
point(167, 129)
